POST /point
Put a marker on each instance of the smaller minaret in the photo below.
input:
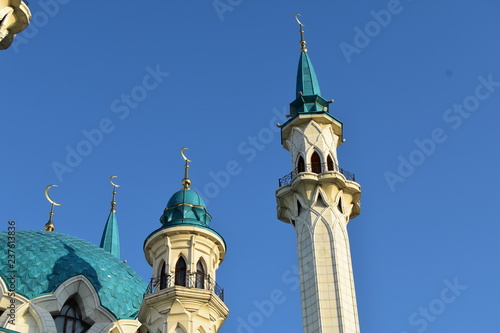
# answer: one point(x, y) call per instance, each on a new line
point(185, 253)
point(110, 240)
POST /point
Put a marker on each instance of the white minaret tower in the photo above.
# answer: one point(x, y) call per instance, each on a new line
point(318, 199)
point(185, 253)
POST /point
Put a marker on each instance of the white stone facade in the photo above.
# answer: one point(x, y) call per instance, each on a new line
point(319, 202)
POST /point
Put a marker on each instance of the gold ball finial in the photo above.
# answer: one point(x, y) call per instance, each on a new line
point(49, 226)
point(186, 183)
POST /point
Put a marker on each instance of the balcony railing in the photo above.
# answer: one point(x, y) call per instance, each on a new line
point(194, 280)
point(324, 167)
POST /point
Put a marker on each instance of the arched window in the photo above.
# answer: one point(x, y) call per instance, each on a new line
point(329, 163)
point(163, 277)
point(301, 167)
point(315, 163)
point(200, 275)
point(70, 319)
point(180, 272)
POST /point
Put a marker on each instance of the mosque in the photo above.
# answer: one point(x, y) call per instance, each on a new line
point(56, 283)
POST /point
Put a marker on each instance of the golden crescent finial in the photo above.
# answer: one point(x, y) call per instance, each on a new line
point(111, 181)
point(184, 156)
point(186, 181)
point(48, 197)
point(113, 201)
point(49, 226)
point(302, 41)
point(298, 21)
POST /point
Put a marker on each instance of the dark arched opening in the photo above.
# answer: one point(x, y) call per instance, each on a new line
point(200, 275)
point(163, 277)
point(180, 272)
point(70, 319)
point(301, 166)
point(315, 163)
point(329, 163)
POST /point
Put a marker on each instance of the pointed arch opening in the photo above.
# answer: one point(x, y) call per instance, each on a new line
point(180, 272)
point(200, 275)
point(301, 166)
point(320, 201)
point(339, 206)
point(179, 329)
point(315, 163)
point(163, 276)
point(329, 163)
point(69, 319)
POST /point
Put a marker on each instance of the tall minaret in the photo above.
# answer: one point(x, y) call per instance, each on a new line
point(318, 199)
point(185, 253)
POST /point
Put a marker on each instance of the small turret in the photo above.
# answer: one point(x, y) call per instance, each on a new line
point(110, 240)
point(185, 253)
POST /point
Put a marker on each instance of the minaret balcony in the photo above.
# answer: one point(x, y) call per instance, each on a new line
point(194, 280)
point(315, 169)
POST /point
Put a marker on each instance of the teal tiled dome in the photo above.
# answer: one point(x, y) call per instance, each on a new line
point(185, 207)
point(44, 260)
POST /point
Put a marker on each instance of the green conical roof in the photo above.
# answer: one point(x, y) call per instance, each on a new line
point(110, 241)
point(307, 82)
point(308, 94)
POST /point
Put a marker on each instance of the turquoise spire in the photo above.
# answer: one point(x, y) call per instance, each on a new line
point(307, 82)
point(110, 240)
point(308, 94)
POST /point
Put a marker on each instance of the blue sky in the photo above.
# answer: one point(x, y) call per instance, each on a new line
point(416, 84)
